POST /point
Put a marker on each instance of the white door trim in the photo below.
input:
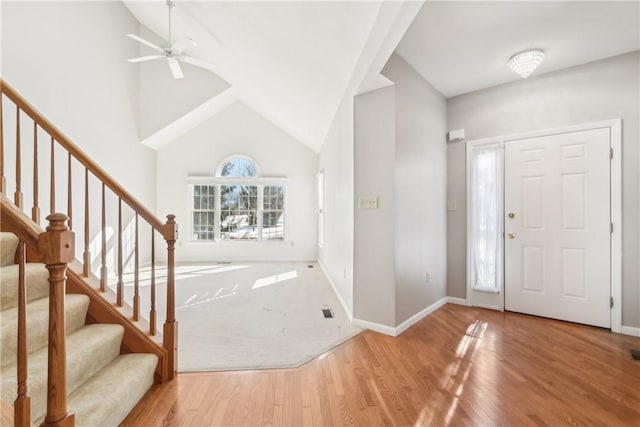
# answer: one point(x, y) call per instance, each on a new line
point(615, 129)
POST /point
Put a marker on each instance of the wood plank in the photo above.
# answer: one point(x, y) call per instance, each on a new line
point(459, 366)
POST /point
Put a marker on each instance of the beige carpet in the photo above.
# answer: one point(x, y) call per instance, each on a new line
point(253, 315)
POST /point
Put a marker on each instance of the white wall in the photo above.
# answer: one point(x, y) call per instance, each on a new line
point(420, 190)
point(69, 60)
point(164, 99)
point(374, 275)
point(336, 160)
point(597, 91)
point(239, 130)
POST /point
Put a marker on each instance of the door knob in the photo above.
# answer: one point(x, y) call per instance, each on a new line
point(511, 235)
point(511, 215)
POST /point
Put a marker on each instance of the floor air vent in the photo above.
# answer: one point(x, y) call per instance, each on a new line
point(309, 266)
point(635, 354)
point(327, 313)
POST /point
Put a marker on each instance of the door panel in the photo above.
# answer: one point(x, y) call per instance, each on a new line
point(557, 242)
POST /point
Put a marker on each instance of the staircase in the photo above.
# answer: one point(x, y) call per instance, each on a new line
point(102, 385)
point(75, 348)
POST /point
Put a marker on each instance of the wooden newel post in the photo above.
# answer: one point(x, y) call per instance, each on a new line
point(56, 247)
point(170, 335)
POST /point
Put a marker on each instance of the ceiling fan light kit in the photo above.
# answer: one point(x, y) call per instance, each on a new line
point(174, 54)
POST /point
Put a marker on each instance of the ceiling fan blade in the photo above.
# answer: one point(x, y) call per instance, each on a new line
point(174, 65)
point(145, 42)
point(182, 45)
point(145, 58)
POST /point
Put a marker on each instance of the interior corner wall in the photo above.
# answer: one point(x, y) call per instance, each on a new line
point(68, 59)
point(336, 160)
point(601, 90)
point(240, 130)
point(374, 232)
point(420, 191)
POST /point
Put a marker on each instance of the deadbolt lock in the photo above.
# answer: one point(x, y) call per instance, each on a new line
point(511, 215)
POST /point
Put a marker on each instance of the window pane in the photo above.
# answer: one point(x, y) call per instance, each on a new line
point(238, 212)
point(239, 167)
point(203, 212)
point(273, 215)
point(272, 226)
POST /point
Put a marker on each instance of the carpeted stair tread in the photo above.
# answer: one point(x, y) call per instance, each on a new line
point(89, 349)
point(76, 306)
point(108, 397)
point(36, 279)
point(102, 385)
point(8, 246)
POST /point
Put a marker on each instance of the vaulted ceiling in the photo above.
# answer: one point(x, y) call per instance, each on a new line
point(292, 62)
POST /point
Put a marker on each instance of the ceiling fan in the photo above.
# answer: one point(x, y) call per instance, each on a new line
point(174, 54)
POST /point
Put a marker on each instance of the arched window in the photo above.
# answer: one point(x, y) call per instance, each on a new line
point(238, 167)
point(238, 204)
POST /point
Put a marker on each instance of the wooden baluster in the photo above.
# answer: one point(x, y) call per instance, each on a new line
point(69, 193)
point(86, 258)
point(18, 194)
point(35, 211)
point(3, 180)
point(152, 310)
point(22, 405)
point(52, 181)
point(136, 278)
point(170, 337)
point(120, 284)
point(103, 246)
point(56, 249)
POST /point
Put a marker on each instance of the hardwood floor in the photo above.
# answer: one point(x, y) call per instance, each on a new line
point(459, 366)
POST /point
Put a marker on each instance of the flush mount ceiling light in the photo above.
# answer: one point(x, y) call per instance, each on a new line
point(524, 63)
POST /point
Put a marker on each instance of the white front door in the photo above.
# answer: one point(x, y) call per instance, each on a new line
point(557, 226)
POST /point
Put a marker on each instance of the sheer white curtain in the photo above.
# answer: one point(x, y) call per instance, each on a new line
point(486, 218)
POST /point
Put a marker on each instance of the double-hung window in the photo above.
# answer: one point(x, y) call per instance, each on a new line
point(238, 204)
point(203, 212)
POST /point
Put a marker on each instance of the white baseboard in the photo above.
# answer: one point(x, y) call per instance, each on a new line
point(458, 301)
point(630, 330)
point(395, 331)
point(420, 315)
point(335, 291)
point(378, 327)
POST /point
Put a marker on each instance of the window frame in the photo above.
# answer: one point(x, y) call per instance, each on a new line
point(193, 210)
point(218, 181)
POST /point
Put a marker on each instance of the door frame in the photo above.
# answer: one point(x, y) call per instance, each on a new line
point(615, 132)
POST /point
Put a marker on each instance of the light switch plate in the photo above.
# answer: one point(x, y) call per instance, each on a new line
point(451, 205)
point(368, 202)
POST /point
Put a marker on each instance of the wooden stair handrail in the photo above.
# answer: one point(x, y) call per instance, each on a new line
point(26, 230)
point(83, 158)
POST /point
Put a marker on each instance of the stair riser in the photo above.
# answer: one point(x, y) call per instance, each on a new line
point(8, 246)
point(36, 279)
point(88, 350)
point(38, 325)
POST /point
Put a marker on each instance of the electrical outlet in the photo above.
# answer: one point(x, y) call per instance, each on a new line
point(345, 273)
point(428, 277)
point(451, 205)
